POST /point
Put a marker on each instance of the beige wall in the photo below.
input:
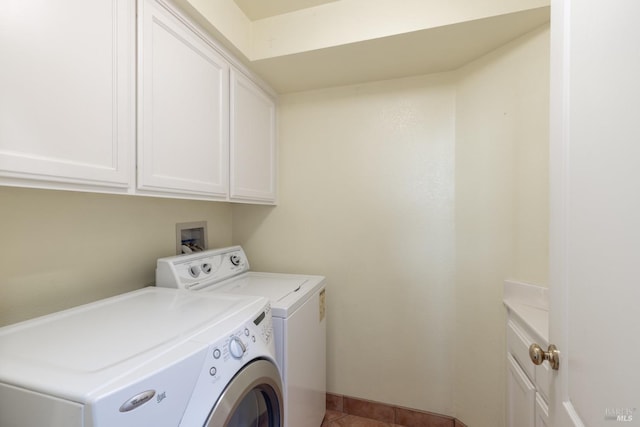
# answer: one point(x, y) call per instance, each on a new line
point(61, 249)
point(501, 210)
point(416, 198)
point(366, 199)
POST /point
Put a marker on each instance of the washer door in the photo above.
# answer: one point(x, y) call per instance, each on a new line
point(253, 398)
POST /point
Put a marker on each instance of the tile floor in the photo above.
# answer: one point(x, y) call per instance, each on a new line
point(340, 419)
point(344, 411)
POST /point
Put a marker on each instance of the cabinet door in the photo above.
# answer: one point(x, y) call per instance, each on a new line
point(542, 412)
point(253, 142)
point(67, 104)
point(521, 396)
point(183, 108)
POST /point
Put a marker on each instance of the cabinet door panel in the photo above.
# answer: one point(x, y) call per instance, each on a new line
point(67, 104)
point(542, 412)
point(253, 142)
point(184, 121)
point(521, 396)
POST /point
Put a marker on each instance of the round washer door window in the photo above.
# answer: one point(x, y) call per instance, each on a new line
point(252, 399)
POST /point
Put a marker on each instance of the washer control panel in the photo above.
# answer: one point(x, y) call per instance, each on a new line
point(257, 332)
point(225, 357)
point(240, 343)
point(200, 269)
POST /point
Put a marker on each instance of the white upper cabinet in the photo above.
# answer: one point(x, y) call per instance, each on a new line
point(67, 104)
point(183, 101)
point(253, 142)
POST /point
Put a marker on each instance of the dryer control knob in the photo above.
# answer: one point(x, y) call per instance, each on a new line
point(235, 259)
point(237, 348)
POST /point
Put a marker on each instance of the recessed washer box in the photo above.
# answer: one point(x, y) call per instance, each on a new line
point(192, 235)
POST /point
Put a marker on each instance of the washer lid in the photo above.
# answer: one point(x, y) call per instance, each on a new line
point(285, 291)
point(75, 352)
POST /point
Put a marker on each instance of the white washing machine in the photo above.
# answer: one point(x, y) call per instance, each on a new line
point(298, 308)
point(153, 357)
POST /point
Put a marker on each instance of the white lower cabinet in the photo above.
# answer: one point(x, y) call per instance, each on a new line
point(521, 396)
point(183, 122)
point(527, 384)
point(67, 85)
point(542, 412)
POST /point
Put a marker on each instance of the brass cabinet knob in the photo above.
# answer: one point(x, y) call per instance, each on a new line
point(538, 355)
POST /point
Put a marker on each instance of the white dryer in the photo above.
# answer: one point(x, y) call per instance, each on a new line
point(153, 357)
point(298, 308)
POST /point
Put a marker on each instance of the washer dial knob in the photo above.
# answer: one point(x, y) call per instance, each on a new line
point(235, 259)
point(194, 271)
point(237, 349)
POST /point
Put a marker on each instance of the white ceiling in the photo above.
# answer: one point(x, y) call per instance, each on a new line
point(341, 43)
point(420, 52)
point(259, 9)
